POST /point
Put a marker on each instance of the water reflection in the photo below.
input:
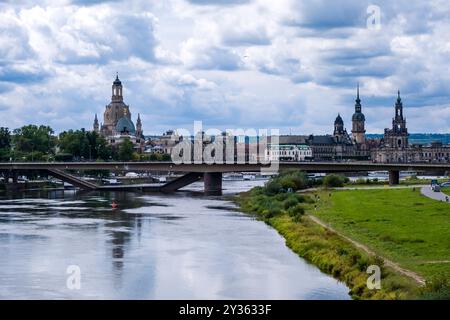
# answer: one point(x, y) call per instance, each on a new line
point(183, 246)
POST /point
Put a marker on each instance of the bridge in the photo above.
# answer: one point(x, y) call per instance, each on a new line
point(210, 173)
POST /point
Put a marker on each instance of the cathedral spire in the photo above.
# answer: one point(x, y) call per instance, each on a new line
point(358, 120)
point(96, 126)
point(139, 132)
point(358, 100)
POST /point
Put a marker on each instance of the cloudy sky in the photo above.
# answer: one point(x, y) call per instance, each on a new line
point(287, 64)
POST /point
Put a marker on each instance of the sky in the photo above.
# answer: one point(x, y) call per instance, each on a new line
point(291, 65)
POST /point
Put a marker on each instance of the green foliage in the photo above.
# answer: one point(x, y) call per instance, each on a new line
point(5, 144)
point(126, 150)
point(438, 288)
point(289, 179)
point(33, 143)
point(296, 212)
point(83, 144)
point(272, 187)
point(63, 157)
point(333, 181)
point(5, 138)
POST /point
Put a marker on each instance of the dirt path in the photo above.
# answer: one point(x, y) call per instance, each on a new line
point(363, 247)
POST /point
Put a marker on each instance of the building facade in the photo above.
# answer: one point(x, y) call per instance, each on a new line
point(289, 152)
point(117, 122)
point(394, 146)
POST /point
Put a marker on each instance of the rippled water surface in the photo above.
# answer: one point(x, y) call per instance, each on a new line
point(181, 246)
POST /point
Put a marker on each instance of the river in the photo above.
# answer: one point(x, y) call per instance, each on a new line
point(180, 246)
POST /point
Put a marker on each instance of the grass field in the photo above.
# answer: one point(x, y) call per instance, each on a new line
point(399, 224)
point(446, 190)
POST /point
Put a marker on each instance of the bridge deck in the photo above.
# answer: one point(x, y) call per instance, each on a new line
point(233, 167)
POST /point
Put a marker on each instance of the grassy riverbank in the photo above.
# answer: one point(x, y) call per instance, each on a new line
point(398, 224)
point(446, 190)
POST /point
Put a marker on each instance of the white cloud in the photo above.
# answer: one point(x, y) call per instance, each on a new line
point(290, 64)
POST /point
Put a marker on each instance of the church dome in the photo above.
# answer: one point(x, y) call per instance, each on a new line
point(339, 120)
point(358, 116)
point(125, 125)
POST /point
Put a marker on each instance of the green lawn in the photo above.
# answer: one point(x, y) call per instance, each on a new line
point(399, 224)
point(446, 190)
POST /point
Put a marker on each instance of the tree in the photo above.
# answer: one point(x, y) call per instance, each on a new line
point(73, 142)
point(84, 144)
point(5, 143)
point(126, 149)
point(333, 181)
point(33, 142)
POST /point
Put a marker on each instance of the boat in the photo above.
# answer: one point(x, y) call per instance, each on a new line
point(405, 174)
point(112, 182)
point(232, 177)
point(378, 174)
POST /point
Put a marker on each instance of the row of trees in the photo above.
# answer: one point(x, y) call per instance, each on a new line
point(39, 143)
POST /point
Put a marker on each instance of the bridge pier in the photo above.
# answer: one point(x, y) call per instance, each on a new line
point(394, 177)
point(212, 182)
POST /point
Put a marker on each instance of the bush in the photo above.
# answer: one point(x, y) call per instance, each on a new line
point(63, 157)
point(360, 181)
point(272, 187)
point(296, 212)
point(290, 179)
point(333, 181)
point(289, 202)
point(437, 288)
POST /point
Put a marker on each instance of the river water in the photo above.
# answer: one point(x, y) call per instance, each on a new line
point(180, 246)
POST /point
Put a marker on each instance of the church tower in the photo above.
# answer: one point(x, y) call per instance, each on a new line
point(339, 130)
point(115, 111)
point(397, 137)
point(139, 132)
point(399, 130)
point(96, 125)
point(117, 90)
point(358, 121)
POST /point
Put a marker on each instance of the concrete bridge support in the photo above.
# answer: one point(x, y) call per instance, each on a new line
point(212, 182)
point(394, 177)
point(181, 182)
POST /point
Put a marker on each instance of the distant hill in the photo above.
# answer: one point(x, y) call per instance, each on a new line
point(421, 138)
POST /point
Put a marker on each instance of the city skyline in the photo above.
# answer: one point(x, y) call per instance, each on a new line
point(247, 64)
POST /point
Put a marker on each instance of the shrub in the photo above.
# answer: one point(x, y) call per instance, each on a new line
point(289, 202)
point(360, 181)
point(296, 212)
point(333, 181)
point(293, 179)
point(272, 187)
point(437, 288)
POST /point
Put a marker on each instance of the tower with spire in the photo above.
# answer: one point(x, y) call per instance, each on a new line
point(117, 122)
point(96, 125)
point(397, 137)
point(139, 132)
point(358, 121)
